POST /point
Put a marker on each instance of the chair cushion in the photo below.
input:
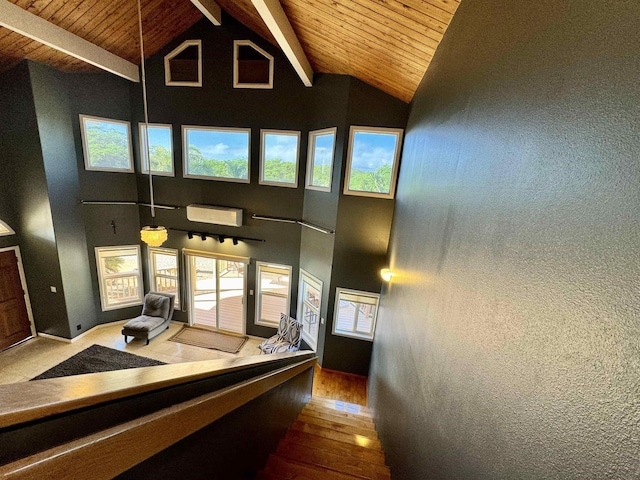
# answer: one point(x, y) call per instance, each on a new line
point(276, 345)
point(156, 306)
point(144, 323)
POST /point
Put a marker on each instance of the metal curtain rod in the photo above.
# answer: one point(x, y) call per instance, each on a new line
point(164, 207)
point(292, 220)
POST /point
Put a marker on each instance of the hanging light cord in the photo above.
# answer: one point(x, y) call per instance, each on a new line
point(146, 113)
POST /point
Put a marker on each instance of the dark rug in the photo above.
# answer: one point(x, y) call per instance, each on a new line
point(97, 358)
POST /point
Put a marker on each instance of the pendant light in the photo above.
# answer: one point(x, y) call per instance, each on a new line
point(153, 235)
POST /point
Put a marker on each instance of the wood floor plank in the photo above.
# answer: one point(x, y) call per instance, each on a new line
point(339, 405)
point(291, 469)
point(353, 439)
point(338, 461)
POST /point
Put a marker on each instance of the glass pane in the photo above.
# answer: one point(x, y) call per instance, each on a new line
point(322, 159)
point(166, 273)
point(274, 282)
point(365, 318)
point(121, 289)
point(118, 264)
point(372, 158)
point(231, 296)
point(160, 148)
point(346, 316)
point(218, 153)
point(107, 144)
point(279, 157)
point(271, 307)
point(310, 321)
point(311, 295)
point(204, 292)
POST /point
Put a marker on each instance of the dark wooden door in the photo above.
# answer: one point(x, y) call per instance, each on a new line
point(14, 320)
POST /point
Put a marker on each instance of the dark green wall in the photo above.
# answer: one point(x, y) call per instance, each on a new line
point(55, 120)
point(27, 201)
point(508, 344)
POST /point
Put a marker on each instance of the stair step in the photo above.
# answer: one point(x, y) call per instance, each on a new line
point(340, 405)
point(314, 441)
point(339, 426)
point(338, 461)
point(336, 416)
point(292, 469)
point(363, 417)
point(353, 439)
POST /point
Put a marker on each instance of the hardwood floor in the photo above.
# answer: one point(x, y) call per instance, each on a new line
point(345, 387)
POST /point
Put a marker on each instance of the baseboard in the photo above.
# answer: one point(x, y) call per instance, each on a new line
point(100, 325)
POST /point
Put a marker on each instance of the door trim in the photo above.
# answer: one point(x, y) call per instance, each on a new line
point(23, 281)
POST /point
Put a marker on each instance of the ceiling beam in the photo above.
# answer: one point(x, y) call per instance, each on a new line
point(25, 23)
point(209, 9)
point(273, 15)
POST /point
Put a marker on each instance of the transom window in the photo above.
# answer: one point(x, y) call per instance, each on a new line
point(119, 276)
point(106, 144)
point(320, 159)
point(279, 158)
point(309, 302)
point(160, 148)
point(355, 313)
point(163, 269)
point(216, 153)
point(372, 161)
point(273, 286)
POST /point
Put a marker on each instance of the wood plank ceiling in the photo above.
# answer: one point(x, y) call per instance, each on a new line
point(385, 43)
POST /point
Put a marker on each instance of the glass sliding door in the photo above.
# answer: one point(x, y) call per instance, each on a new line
point(217, 290)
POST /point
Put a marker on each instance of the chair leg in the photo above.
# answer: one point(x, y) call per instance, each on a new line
point(147, 341)
point(125, 339)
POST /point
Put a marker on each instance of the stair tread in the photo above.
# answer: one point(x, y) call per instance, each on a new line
point(314, 441)
point(292, 469)
point(340, 405)
point(338, 461)
point(335, 416)
point(339, 426)
point(365, 417)
point(352, 438)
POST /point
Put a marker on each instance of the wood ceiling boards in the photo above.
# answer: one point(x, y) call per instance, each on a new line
point(385, 43)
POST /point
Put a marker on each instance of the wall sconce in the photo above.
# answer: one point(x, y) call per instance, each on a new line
point(386, 274)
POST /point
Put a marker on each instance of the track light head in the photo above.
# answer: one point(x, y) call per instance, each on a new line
point(220, 238)
point(190, 235)
point(203, 236)
point(234, 240)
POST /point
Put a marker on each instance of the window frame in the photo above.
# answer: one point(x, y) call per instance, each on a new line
point(104, 303)
point(353, 130)
point(311, 158)
point(152, 269)
point(236, 74)
point(144, 160)
point(319, 284)
point(185, 153)
point(354, 333)
point(258, 320)
point(177, 51)
point(85, 144)
point(290, 133)
point(5, 229)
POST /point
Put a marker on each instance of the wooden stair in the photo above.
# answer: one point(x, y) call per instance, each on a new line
point(330, 440)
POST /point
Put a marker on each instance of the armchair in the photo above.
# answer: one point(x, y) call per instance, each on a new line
point(287, 339)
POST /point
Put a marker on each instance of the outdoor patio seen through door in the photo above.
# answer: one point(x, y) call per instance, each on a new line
point(217, 289)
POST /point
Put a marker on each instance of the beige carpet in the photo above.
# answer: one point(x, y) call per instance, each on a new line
point(203, 337)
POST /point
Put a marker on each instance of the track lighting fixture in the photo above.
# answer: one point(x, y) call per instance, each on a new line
point(203, 236)
point(234, 240)
point(220, 238)
point(190, 235)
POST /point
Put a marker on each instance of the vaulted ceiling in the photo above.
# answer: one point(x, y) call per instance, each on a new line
point(386, 43)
